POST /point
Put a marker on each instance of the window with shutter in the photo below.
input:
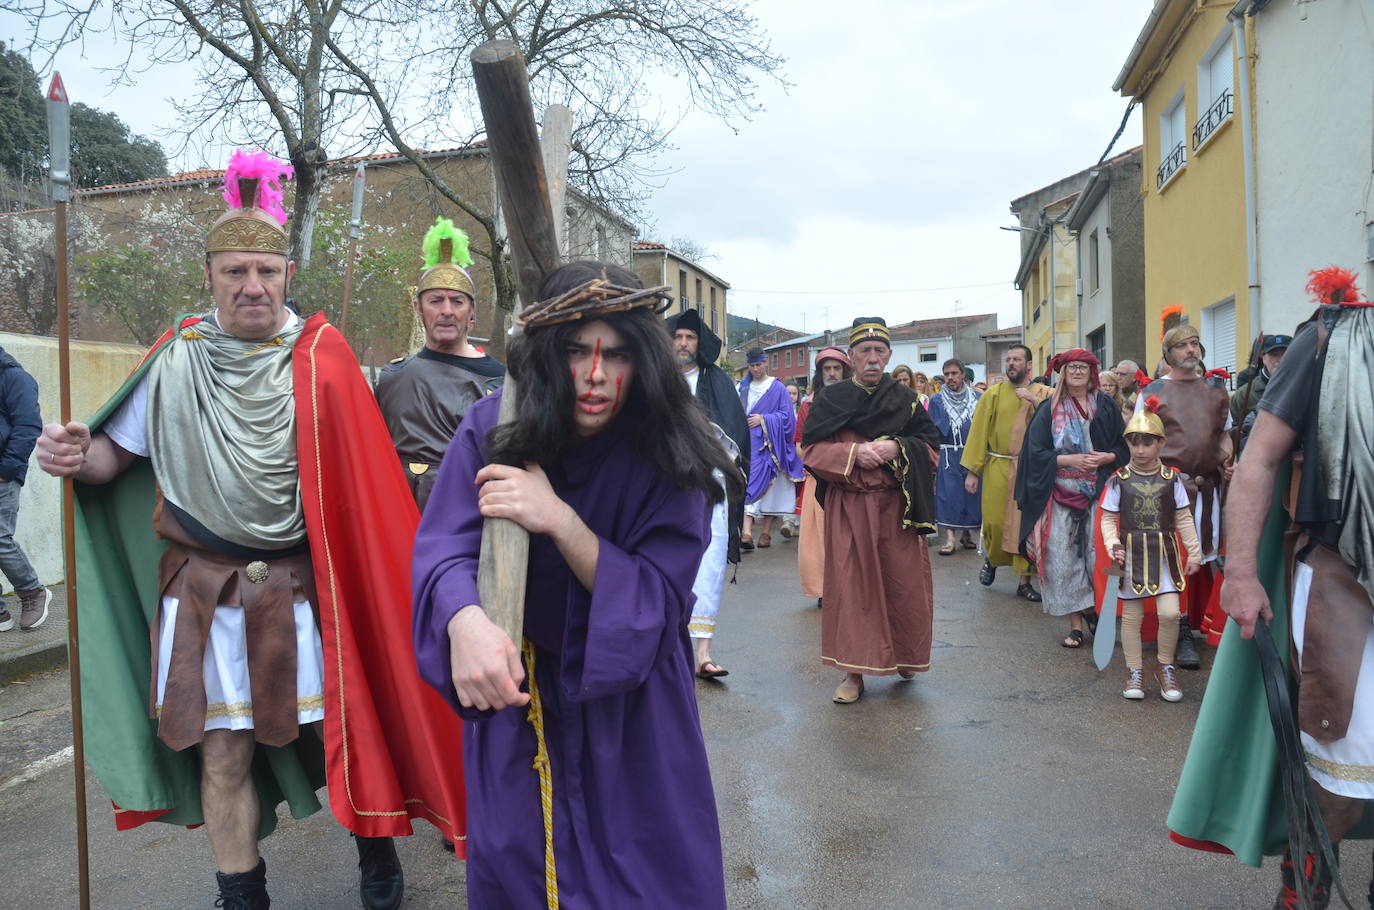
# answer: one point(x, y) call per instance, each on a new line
point(1219, 335)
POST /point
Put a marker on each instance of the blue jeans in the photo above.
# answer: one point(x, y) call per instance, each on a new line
point(13, 563)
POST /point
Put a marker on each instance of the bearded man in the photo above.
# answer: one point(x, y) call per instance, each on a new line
point(871, 447)
point(1196, 416)
point(832, 366)
point(278, 547)
point(952, 411)
point(697, 348)
point(990, 457)
point(423, 398)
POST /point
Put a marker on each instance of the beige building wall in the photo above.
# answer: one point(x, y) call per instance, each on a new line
point(98, 369)
point(692, 286)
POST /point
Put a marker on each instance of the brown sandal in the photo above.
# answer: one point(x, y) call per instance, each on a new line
point(765, 541)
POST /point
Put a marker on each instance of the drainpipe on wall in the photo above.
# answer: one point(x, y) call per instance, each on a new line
point(1242, 31)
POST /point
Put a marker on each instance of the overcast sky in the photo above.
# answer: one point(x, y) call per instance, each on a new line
point(883, 172)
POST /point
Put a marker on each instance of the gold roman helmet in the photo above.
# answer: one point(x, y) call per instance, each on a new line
point(446, 256)
point(1147, 421)
point(253, 224)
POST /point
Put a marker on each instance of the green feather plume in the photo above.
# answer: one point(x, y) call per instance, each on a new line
point(444, 229)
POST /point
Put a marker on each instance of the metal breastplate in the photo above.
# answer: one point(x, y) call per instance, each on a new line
point(1147, 501)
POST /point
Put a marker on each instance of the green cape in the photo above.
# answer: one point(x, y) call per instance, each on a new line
point(116, 575)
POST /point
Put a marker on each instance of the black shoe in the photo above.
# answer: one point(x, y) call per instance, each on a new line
point(1186, 657)
point(244, 890)
point(382, 885)
point(1026, 591)
point(987, 574)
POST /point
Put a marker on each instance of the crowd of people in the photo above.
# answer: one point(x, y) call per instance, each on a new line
point(304, 606)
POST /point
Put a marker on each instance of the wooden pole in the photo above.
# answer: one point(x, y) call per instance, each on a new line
point(60, 169)
point(555, 141)
point(355, 229)
point(498, 70)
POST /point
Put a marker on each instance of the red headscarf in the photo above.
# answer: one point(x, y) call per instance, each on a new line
point(833, 354)
point(1078, 355)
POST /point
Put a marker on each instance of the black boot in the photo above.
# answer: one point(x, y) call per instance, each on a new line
point(244, 890)
point(381, 882)
point(1185, 657)
point(987, 574)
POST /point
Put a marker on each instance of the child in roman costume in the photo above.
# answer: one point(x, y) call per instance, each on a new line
point(1145, 511)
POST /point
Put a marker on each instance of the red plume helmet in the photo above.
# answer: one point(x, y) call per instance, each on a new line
point(1333, 284)
point(1170, 317)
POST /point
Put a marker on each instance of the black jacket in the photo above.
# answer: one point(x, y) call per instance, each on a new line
point(720, 398)
point(20, 420)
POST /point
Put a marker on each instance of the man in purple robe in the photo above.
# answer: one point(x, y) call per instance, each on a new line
point(588, 787)
point(774, 466)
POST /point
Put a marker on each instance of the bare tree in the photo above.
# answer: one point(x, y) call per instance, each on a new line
point(329, 78)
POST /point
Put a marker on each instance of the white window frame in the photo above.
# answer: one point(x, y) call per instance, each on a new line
point(1094, 263)
point(1208, 93)
point(1173, 132)
point(1214, 344)
point(922, 350)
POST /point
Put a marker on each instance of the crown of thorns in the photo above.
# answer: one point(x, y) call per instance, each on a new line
point(596, 297)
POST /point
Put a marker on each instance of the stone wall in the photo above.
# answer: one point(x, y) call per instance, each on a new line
point(97, 370)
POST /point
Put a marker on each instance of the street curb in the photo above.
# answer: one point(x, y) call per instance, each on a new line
point(37, 658)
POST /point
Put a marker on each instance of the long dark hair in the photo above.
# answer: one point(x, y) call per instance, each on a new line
point(669, 428)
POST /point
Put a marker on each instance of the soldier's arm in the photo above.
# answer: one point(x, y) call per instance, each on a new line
point(72, 451)
point(1252, 493)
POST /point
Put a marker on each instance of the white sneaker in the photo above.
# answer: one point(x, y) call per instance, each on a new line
point(6, 620)
point(1135, 686)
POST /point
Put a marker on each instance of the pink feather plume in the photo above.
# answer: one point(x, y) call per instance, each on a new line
point(268, 171)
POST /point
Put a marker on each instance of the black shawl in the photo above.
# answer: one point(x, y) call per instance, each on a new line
point(1035, 472)
point(888, 411)
point(717, 395)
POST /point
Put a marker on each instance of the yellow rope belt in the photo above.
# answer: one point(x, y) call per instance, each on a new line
point(541, 765)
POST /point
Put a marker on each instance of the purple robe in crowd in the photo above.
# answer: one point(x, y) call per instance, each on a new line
point(773, 448)
point(634, 814)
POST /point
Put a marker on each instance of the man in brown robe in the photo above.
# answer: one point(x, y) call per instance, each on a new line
point(871, 447)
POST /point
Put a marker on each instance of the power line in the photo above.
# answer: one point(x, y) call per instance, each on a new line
point(952, 287)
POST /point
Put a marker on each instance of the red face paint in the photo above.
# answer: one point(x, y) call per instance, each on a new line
point(596, 365)
point(619, 386)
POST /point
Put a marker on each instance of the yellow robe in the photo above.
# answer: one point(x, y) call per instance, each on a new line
point(994, 442)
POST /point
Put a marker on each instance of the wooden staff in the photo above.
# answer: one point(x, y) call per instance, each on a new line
point(355, 230)
point(59, 148)
point(498, 69)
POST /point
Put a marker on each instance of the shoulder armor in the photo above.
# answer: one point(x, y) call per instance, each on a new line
point(1122, 473)
point(1167, 472)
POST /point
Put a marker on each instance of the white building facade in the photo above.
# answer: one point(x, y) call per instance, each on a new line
point(1314, 149)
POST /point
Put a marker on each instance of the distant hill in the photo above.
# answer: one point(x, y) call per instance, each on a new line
point(743, 329)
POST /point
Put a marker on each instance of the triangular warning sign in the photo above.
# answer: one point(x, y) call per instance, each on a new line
point(56, 90)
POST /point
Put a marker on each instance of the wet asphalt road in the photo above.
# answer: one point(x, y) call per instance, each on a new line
point(1013, 774)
